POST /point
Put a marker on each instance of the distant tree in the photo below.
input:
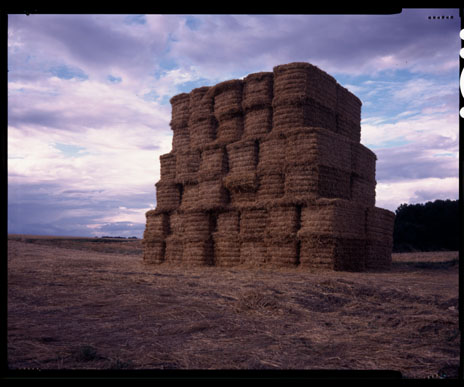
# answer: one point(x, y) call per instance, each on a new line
point(427, 227)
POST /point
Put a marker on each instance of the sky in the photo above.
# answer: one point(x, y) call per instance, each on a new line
point(89, 111)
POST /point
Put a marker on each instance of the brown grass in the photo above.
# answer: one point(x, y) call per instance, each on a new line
point(73, 307)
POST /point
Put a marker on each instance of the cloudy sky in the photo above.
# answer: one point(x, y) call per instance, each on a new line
point(89, 112)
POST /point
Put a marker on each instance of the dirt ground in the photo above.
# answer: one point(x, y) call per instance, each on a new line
point(83, 304)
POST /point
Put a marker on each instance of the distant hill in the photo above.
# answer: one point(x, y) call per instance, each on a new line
point(432, 226)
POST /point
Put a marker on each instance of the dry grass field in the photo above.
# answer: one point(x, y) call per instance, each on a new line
point(92, 304)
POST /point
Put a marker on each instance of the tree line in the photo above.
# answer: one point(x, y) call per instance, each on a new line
point(432, 226)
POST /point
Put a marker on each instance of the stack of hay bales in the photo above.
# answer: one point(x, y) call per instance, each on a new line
point(269, 170)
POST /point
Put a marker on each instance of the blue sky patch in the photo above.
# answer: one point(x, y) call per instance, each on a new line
point(114, 79)
point(68, 72)
point(71, 150)
point(135, 19)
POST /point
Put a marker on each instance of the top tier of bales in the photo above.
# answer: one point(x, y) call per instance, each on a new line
point(293, 95)
point(269, 169)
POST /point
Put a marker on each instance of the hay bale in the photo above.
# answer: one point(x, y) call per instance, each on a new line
point(229, 130)
point(198, 225)
point(348, 114)
point(378, 255)
point(253, 223)
point(246, 182)
point(271, 187)
point(242, 156)
point(257, 122)
point(328, 252)
point(241, 199)
point(202, 132)
point(190, 198)
point(226, 250)
point(198, 252)
point(257, 90)
point(201, 104)
point(212, 195)
point(168, 167)
point(176, 223)
point(157, 226)
point(363, 191)
point(336, 217)
point(363, 162)
point(180, 111)
point(272, 154)
point(380, 224)
point(187, 166)
point(317, 146)
point(283, 253)
point(306, 80)
point(282, 222)
point(154, 252)
point(168, 196)
point(253, 252)
point(181, 140)
point(227, 97)
point(228, 223)
point(213, 164)
point(174, 249)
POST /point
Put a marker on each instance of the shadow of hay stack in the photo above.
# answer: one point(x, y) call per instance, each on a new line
point(269, 170)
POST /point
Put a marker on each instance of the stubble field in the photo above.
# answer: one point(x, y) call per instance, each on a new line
point(84, 304)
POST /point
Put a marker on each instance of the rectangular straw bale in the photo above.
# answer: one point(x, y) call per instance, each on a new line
point(380, 224)
point(378, 255)
point(227, 98)
point(201, 104)
point(213, 164)
point(242, 156)
point(363, 161)
point(157, 226)
point(271, 187)
point(198, 225)
point(258, 90)
point(311, 145)
point(241, 182)
point(190, 197)
point(154, 252)
point(181, 140)
point(253, 223)
point(212, 195)
point(257, 123)
point(326, 251)
point(283, 253)
point(228, 223)
point(226, 250)
point(317, 252)
point(282, 221)
point(168, 166)
point(180, 111)
point(168, 196)
point(295, 112)
point(363, 191)
point(176, 223)
point(334, 183)
point(253, 252)
point(202, 132)
point(174, 248)
point(348, 105)
point(187, 166)
point(242, 199)
point(336, 217)
point(198, 252)
point(229, 130)
point(300, 78)
point(272, 154)
point(301, 182)
point(348, 128)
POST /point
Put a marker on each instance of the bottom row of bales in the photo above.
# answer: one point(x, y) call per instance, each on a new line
point(326, 233)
